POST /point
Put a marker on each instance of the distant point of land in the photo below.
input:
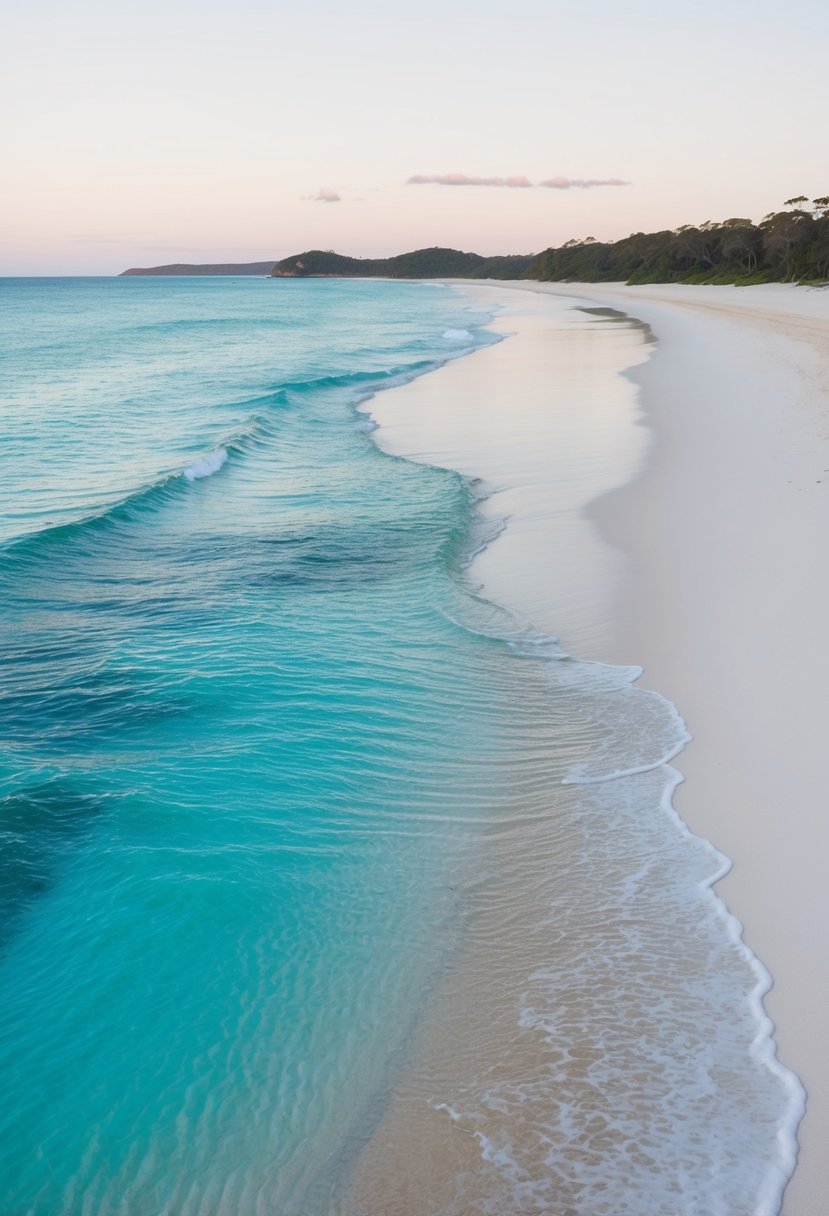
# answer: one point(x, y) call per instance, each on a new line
point(186, 268)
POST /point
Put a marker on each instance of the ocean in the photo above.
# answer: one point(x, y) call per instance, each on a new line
point(275, 779)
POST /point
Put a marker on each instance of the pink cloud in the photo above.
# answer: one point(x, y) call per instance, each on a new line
point(462, 179)
point(552, 183)
point(581, 183)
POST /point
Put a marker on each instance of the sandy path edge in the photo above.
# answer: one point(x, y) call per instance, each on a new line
point(726, 608)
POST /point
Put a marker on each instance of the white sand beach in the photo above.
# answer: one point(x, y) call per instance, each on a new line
point(692, 546)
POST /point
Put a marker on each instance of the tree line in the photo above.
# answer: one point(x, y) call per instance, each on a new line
point(789, 246)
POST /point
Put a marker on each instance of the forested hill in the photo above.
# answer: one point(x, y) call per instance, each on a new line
point(435, 263)
point(204, 268)
point(789, 246)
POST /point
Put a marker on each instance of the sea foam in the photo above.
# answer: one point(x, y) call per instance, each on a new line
point(206, 466)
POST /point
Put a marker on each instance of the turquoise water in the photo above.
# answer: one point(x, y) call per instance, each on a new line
point(226, 701)
point(257, 733)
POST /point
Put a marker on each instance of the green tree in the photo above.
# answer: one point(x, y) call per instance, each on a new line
point(784, 235)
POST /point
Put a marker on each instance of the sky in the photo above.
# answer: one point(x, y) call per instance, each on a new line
point(140, 132)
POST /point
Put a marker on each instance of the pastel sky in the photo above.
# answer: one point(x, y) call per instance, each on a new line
point(137, 132)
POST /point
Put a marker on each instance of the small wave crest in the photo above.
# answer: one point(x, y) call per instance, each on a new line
point(205, 466)
point(457, 335)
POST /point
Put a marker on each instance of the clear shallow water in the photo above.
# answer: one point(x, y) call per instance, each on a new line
point(260, 743)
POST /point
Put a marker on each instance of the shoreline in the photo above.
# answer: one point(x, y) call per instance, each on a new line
point(590, 626)
point(724, 608)
point(454, 418)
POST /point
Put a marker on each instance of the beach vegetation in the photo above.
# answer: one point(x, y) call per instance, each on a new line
point(790, 245)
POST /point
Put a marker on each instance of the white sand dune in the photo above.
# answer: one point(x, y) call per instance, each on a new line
point(694, 546)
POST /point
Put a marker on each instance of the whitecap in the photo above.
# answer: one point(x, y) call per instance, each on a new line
point(206, 466)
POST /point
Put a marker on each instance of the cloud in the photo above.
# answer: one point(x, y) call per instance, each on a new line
point(581, 183)
point(326, 196)
point(461, 179)
point(552, 183)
